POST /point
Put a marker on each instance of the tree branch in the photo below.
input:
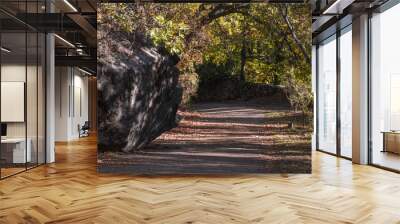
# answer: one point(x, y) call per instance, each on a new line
point(284, 13)
point(217, 11)
point(277, 31)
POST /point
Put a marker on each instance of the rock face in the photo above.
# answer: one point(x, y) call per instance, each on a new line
point(138, 91)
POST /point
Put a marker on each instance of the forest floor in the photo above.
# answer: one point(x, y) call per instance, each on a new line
point(220, 138)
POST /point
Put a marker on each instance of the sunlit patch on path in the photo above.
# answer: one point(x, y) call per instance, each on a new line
point(217, 138)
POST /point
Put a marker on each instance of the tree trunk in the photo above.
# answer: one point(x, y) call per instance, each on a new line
point(242, 76)
point(284, 13)
point(243, 53)
point(138, 91)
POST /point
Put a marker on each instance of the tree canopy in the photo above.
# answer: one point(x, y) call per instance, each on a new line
point(253, 42)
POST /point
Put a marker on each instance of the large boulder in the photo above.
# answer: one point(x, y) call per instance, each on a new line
point(138, 91)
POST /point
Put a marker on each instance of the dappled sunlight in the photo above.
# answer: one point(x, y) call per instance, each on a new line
point(243, 139)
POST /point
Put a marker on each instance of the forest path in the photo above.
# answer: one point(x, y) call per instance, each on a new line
point(228, 137)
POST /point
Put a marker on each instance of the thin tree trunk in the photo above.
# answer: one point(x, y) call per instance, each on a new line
point(283, 11)
point(278, 31)
point(243, 53)
point(242, 76)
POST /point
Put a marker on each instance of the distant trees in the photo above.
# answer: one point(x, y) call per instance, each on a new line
point(263, 43)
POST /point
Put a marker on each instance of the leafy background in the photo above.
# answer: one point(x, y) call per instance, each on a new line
point(249, 43)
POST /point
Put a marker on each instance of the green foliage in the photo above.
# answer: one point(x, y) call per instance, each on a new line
point(209, 70)
point(300, 95)
point(267, 43)
point(170, 34)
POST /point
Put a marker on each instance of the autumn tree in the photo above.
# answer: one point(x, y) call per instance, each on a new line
point(250, 42)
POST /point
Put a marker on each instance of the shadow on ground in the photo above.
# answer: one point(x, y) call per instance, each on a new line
point(222, 138)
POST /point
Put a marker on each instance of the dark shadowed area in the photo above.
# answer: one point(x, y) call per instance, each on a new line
point(138, 91)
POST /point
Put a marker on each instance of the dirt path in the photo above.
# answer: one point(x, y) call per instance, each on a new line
point(230, 137)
